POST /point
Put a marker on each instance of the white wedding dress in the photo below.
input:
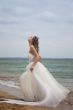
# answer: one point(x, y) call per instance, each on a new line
point(40, 87)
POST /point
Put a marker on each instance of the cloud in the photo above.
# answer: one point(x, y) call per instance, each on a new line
point(46, 16)
point(51, 20)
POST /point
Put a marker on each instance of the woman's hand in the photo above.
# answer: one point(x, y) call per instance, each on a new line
point(31, 69)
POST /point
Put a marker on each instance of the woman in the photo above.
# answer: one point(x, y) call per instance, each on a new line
point(37, 83)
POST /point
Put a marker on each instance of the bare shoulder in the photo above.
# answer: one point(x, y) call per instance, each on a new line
point(35, 52)
point(32, 47)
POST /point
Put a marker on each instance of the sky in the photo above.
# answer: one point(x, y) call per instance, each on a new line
point(50, 20)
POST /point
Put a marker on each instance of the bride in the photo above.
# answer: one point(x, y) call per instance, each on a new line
point(38, 85)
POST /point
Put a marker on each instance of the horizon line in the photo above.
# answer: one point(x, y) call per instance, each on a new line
point(27, 58)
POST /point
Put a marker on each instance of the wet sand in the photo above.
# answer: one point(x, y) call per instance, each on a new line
point(67, 104)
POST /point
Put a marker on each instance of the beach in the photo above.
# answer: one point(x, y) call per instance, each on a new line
point(67, 104)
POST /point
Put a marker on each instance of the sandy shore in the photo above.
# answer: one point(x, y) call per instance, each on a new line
point(67, 104)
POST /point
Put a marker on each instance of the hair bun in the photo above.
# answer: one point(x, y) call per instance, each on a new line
point(35, 37)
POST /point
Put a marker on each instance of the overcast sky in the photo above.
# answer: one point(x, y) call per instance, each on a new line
point(51, 20)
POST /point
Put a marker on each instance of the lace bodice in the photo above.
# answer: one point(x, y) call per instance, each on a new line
point(31, 57)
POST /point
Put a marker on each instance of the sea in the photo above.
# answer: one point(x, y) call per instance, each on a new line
point(61, 69)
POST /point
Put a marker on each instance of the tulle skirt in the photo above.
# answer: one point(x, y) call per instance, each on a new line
point(40, 88)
